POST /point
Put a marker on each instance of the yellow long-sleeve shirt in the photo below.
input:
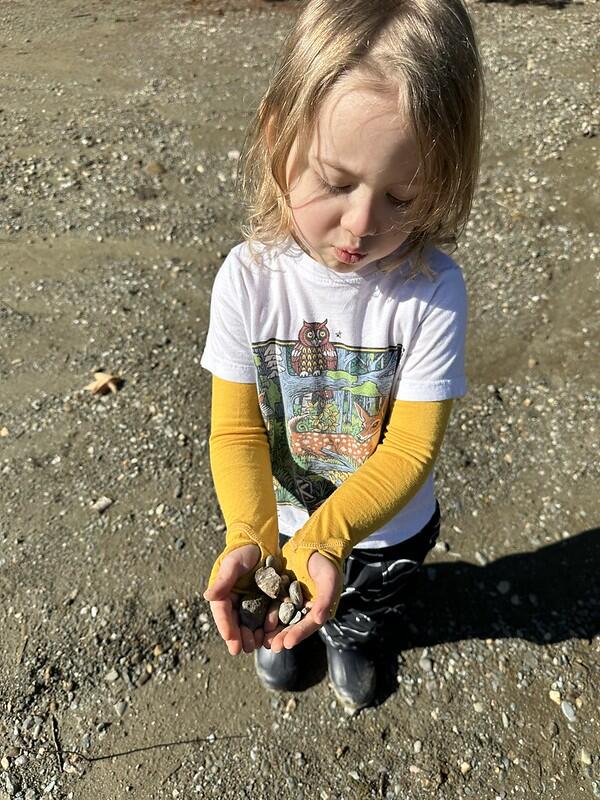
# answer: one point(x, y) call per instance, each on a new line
point(369, 498)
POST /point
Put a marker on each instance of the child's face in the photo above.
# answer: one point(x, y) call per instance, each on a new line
point(350, 198)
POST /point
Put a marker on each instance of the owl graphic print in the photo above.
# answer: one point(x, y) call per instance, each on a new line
point(329, 354)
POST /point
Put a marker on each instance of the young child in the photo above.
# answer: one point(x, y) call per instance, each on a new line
point(336, 337)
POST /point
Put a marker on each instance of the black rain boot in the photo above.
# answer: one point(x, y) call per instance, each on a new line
point(277, 671)
point(352, 674)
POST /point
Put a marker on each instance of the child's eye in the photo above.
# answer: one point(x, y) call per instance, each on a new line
point(333, 189)
point(341, 189)
point(398, 203)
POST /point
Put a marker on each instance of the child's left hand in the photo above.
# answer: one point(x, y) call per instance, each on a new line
point(325, 582)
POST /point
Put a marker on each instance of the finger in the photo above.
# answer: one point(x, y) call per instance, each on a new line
point(324, 605)
point(321, 613)
point(272, 619)
point(225, 620)
point(291, 636)
point(270, 636)
point(234, 646)
point(247, 639)
point(302, 630)
point(259, 636)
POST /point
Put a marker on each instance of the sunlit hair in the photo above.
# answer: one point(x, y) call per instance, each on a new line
point(422, 50)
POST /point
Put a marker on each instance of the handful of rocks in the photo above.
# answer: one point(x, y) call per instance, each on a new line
point(275, 592)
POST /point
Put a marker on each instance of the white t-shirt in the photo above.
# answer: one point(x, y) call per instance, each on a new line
point(329, 353)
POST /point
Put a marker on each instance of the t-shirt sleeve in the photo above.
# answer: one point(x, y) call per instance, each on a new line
point(227, 352)
point(433, 365)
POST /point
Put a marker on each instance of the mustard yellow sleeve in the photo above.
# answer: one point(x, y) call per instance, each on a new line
point(376, 492)
point(241, 469)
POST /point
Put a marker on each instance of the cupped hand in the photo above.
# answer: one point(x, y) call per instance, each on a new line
point(224, 602)
point(328, 584)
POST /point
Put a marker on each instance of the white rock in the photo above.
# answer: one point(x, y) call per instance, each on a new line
point(295, 593)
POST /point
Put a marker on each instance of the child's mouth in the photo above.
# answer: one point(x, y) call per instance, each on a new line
point(348, 256)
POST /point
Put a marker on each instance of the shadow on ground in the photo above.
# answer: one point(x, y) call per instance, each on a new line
point(544, 596)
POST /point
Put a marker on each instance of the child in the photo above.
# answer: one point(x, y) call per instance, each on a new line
point(336, 337)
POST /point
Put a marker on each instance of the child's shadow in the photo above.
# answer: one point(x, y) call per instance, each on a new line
point(544, 596)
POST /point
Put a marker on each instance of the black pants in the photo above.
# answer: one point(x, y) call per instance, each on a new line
point(376, 586)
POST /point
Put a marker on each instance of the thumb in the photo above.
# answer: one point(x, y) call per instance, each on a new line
point(228, 574)
point(325, 603)
point(324, 606)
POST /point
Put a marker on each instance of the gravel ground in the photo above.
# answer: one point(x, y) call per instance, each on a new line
point(120, 124)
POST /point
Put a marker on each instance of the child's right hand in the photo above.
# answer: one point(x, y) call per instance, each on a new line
point(224, 601)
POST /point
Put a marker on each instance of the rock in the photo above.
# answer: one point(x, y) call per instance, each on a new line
point(585, 757)
point(268, 581)
point(120, 708)
point(253, 611)
point(426, 664)
point(272, 561)
point(286, 612)
point(10, 786)
point(154, 168)
point(101, 504)
point(554, 696)
point(290, 707)
point(296, 594)
point(296, 618)
point(568, 711)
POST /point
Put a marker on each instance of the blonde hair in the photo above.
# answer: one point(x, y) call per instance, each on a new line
point(426, 51)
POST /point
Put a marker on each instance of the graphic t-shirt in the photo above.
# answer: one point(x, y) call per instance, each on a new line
point(329, 353)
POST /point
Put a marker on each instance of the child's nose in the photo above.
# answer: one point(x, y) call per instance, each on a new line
point(360, 218)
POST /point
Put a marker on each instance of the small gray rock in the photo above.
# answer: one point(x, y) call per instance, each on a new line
point(286, 612)
point(120, 708)
point(296, 594)
point(296, 618)
point(426, 664)
point(272, 561)
point(253, 611)
point(268, 581)
point(101, 504)
point(10, 787)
